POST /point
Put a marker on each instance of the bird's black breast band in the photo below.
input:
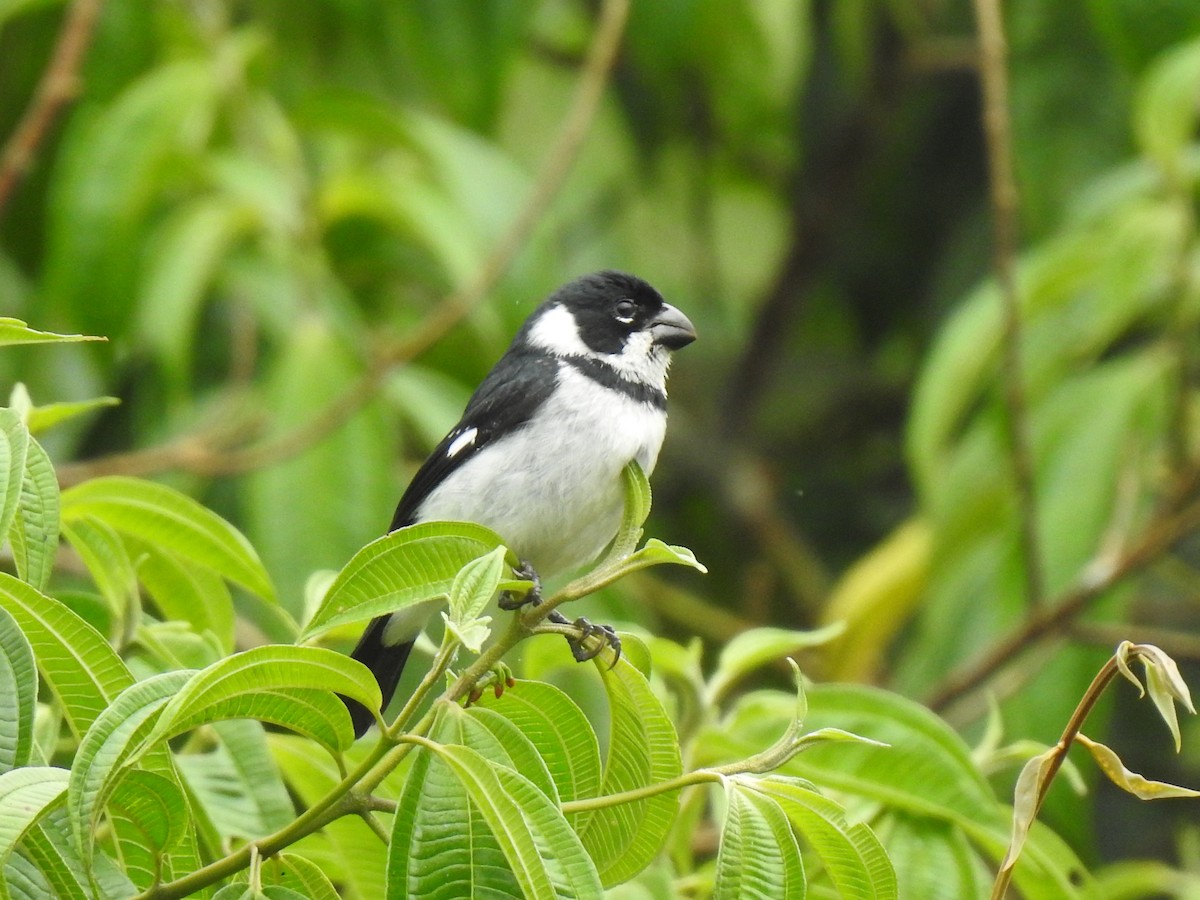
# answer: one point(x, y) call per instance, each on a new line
point(606, 375)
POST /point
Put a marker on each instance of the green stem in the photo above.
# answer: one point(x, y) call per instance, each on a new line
point(699, 776)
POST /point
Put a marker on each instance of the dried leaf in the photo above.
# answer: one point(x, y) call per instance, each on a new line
point(1110, 764)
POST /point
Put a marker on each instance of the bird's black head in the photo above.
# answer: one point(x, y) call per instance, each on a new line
point(610, 315)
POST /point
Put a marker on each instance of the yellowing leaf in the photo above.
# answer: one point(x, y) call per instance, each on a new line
point(1143, 788)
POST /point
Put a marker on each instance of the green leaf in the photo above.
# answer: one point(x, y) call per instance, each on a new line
point(290, 686)
point(561, 733)
point(153, 806)
point(105, 556)
point(758, 647)
point(26, 794)
point(933, 859)
point(852, 855)
point(475, 584)
point(34, 533)
point(544, 853)
point(759, 856)
point(18, 694)
point(14, 331)
point(636, 510)
point(185, 591)
point(447, 851)
point(1165, 113)
point(289, 870)
point(173, 521)
point(643, 749)
point(75, 660)
point(43, 418)
point(116, 739)
point(410, 565)
point(238, 783)
point(14, 445)
point(493, 736)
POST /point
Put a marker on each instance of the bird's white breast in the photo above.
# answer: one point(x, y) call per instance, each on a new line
point(552, 489)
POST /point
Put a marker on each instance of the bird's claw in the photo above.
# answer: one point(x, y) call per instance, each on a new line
point(608, 638)
point(533, 597)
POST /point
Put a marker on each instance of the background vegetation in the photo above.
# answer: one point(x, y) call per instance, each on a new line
point(307, 230)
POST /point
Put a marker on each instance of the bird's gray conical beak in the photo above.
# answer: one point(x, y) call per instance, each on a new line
point(671, 328)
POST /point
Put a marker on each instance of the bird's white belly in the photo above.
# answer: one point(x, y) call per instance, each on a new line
point(552, 489)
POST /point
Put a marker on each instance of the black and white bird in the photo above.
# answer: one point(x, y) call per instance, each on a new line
point(538, 454)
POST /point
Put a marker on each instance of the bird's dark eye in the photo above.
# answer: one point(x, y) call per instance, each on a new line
point(626, 310)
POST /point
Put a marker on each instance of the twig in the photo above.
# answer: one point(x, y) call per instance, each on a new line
point(215, 460)
point(1177, 644)
point(1051, 619)
point(1003, 188)
point(1057, 757)
point(57, 87)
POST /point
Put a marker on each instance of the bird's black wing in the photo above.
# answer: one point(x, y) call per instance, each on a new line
point(506, 399)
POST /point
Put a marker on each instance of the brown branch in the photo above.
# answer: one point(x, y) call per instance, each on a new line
point(1003, 188)
point(196, 454)
point(58, 86)
point(1050, 620)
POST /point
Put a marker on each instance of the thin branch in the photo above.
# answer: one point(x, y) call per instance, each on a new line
point(211, 460)
point(58, 86)
point(1003, 189)
point(1050, 620)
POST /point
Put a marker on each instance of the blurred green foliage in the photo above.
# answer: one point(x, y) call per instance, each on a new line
point(258, 202)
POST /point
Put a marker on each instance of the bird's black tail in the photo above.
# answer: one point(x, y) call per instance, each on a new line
point(385, 662)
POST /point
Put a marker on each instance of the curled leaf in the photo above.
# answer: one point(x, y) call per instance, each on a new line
point(1142, 788)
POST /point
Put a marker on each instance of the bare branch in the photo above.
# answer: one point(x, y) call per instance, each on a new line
point(1003, 188)
point(58, 86)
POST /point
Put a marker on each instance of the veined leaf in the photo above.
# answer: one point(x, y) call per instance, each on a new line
point(34, 532)
point(48, 847)
point(409, 565)
point(163, 516)
point(75, 660)
point(104, 554)
point(498, 740)
point(475, 584)
point(759, 855)
point(14, 445)
point(153, 806)
point(561, 733)
point(852, 855)
point(238, 782)
point(14, 331)
point(18, 694)
point(26, 794)
point(116, 739)
point(290, 686)
point(642, 750)
point(444, 850)
point(544, 853)
point(292, 871)
point(185, 591)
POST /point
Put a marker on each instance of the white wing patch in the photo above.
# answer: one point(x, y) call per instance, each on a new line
point(462, 442)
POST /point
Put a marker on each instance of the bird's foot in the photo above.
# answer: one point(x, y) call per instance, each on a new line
point(532, 597)
point(608, 638)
